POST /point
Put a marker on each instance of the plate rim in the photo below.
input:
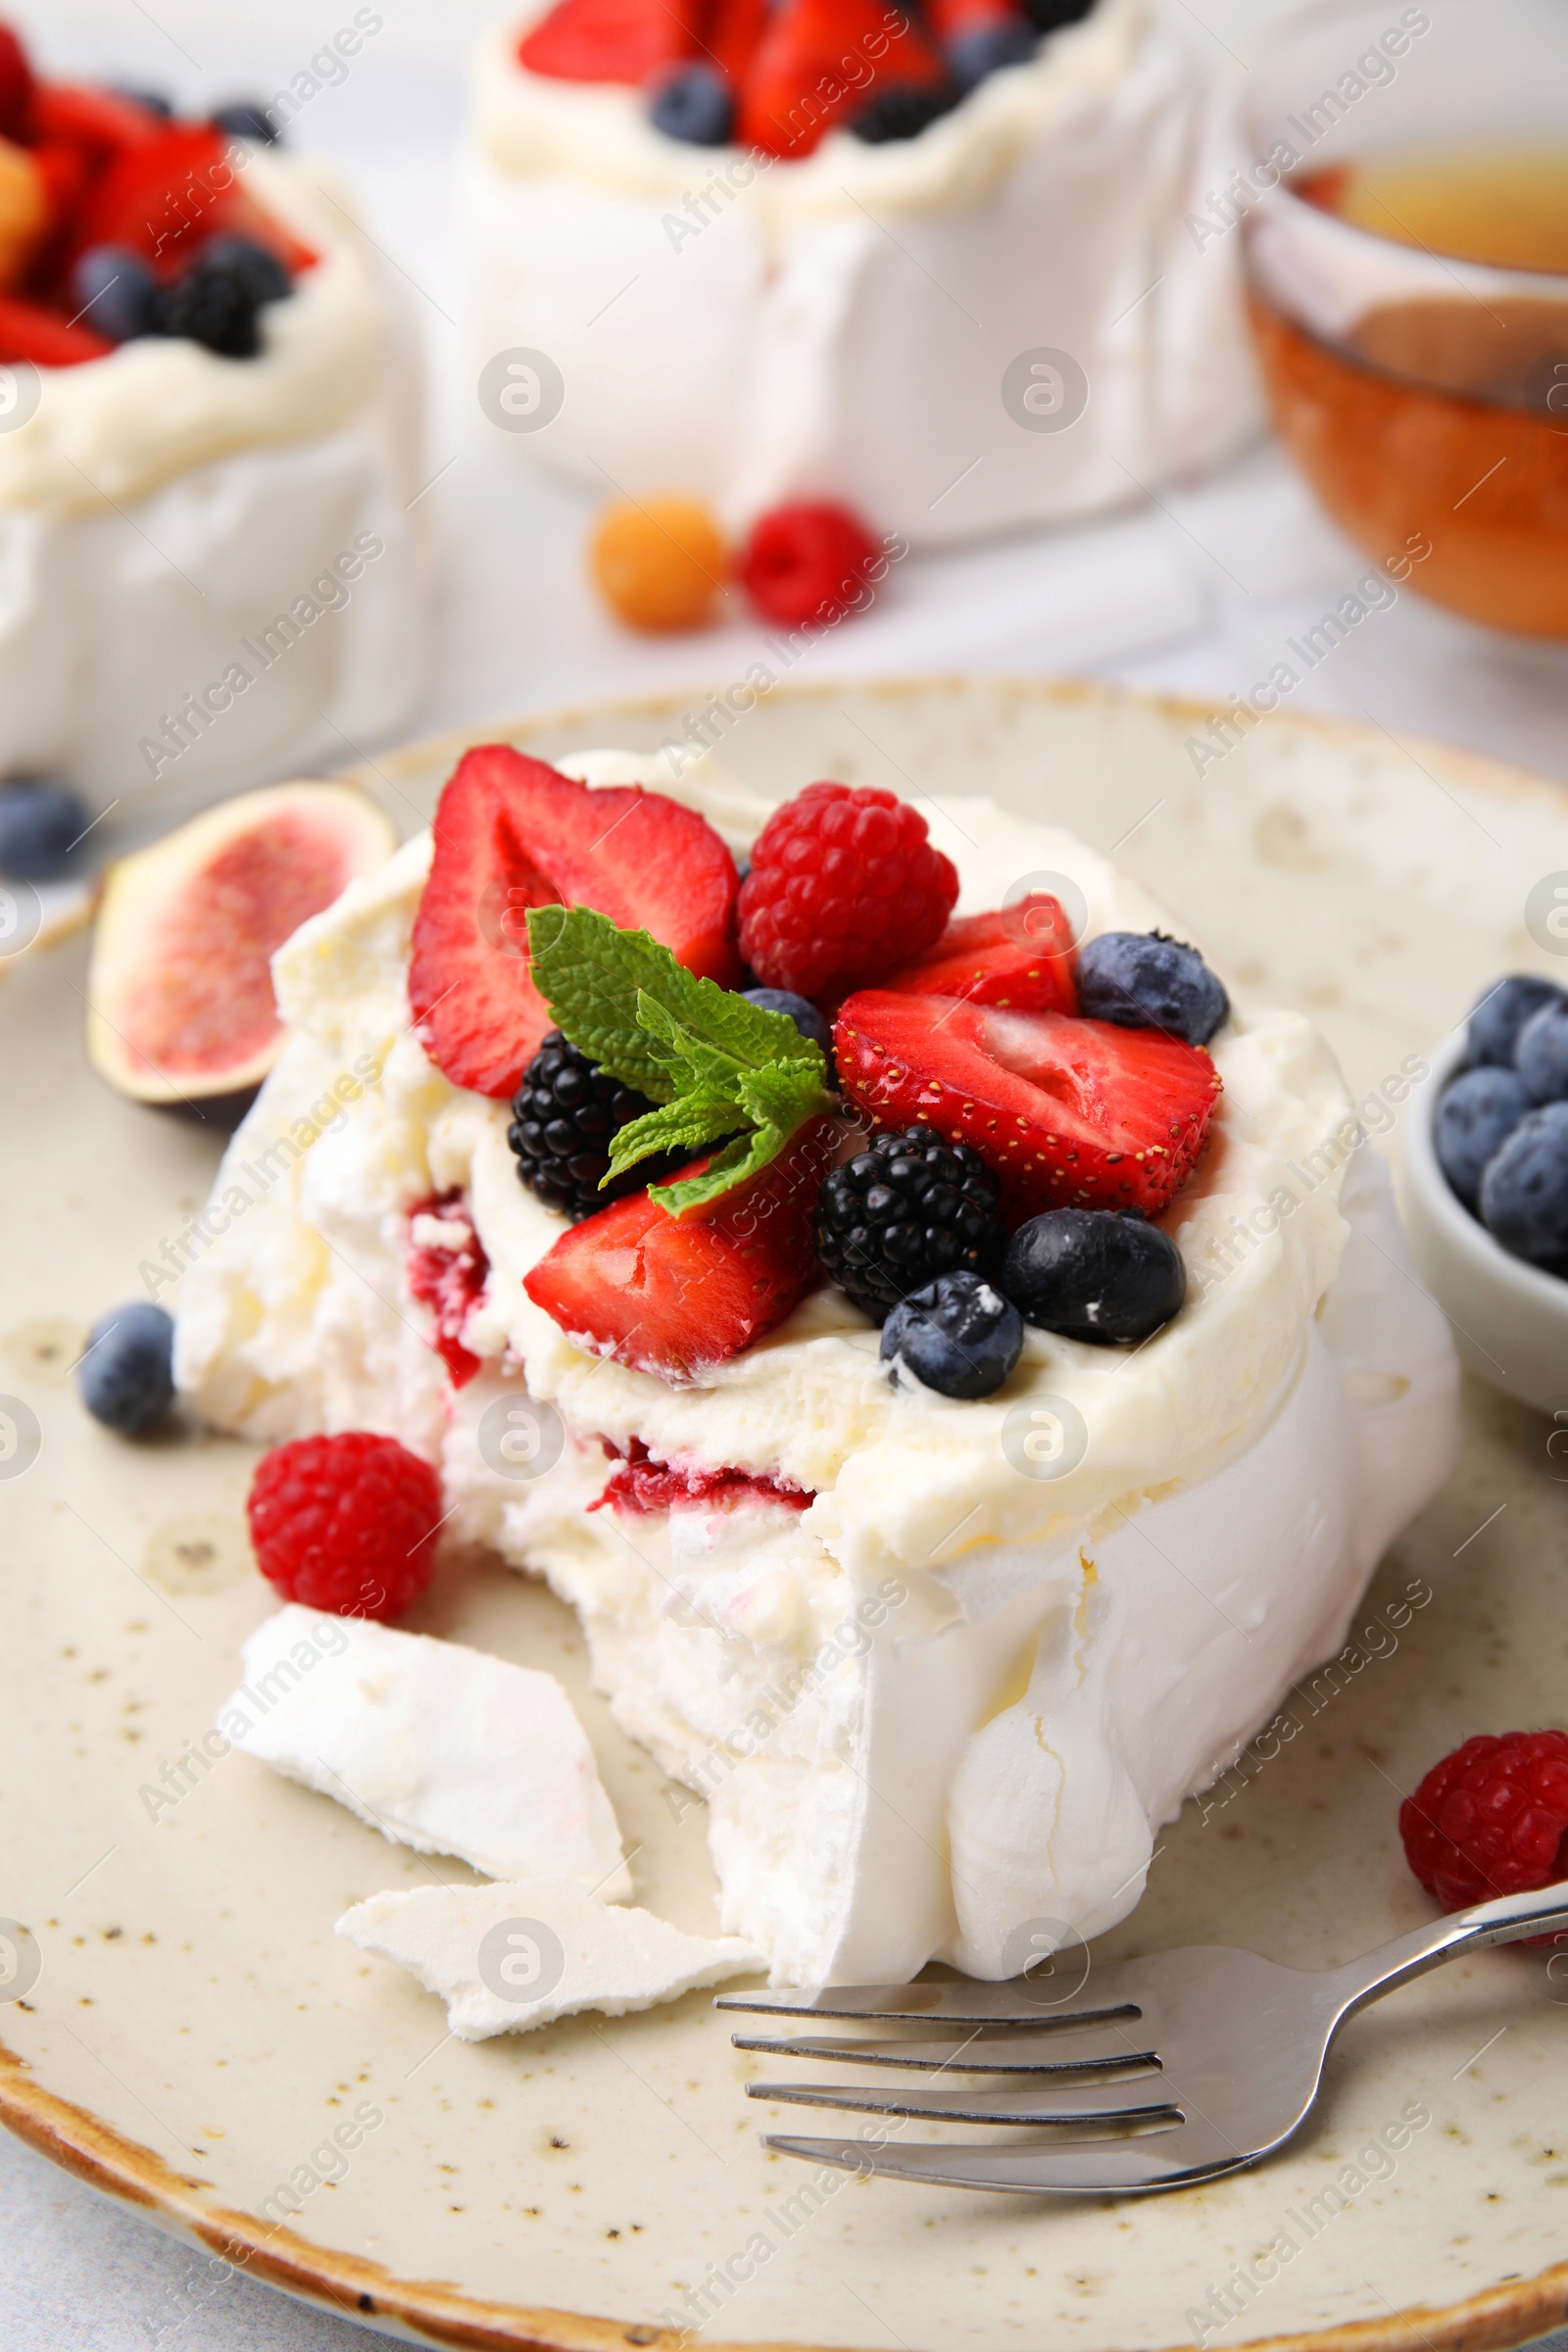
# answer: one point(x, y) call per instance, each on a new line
point(1497, 2318)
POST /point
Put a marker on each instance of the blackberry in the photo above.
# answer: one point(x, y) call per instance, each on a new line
point(563, 1116)
point(903, 1211)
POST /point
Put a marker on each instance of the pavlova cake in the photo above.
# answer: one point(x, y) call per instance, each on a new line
point(927, 261)
point(208, 569)
point(958, 1365)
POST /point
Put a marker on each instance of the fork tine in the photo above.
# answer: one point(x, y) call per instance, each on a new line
point(1151, 2162)
point(1017, 2052)
point(967, 2002)
point(1087, 2103)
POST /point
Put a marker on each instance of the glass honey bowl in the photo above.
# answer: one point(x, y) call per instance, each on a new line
point(1403, 204)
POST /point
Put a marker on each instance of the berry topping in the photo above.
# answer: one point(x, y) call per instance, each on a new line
point(907, 1209)
point(218, 300)
point(447, 1271)
point(115, 293)
point(16, 84)
point(1541, 1053)
point(126, 1379)
point(346, 1524)
point(639, 1484)
point(807, 562)
point(1475, 1117)
point(843, 886)
point(1069, 1113)
point(988, 49)
point(799, 1009)
point(562, 1118)
point(1523, 1190)
point(1094, 1275)
point(40, 825)
point(677, 1297)
point(901, 111)
point(660, 565)
point(510, 834)
point(957, 1336)
point(798, 89)
point(733, 34)
point(1049, 16)
point(609, 40)
point(695, 104)
point(156, 102)
point(247, 118)
point(1491, 1819)
point(1020, 957)
point(1501, 1014)
point(1142, 980)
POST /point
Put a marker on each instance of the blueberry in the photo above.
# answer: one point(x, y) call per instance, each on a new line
point(901, 112)
point(40, 823)
point(1524, 1193)
point(246, 119)
point(800, 1009)
point(216, 301)
point(126, 1377)
point(696, 105)
point(957, 1336)
point(1501, 1014)
point(1144, 980)
point(1475, 1117)
point(1541, 1053)
point(116, 291)
point(155, 101)
point(975, 55)
point(1093, 1274)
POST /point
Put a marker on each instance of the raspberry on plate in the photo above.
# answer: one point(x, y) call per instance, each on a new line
point(843, 886)
point(346, 1524)
point(1491, 1819)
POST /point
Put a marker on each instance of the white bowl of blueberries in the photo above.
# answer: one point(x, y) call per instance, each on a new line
point(1486, 1188)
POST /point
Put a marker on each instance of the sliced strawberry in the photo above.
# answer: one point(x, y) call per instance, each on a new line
point(1020, 957)
point(1069, 1113)
point(819, 60)
point(734, 34)
point(679, 1296)
point(512, 833)
point(951, 20)
point(97, 122)
point(29, 332)
point(610, 40)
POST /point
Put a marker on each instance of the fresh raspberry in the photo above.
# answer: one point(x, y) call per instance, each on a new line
point(1491, 1818)
point(807, 562)
point(843, 886)
point(346, 1524)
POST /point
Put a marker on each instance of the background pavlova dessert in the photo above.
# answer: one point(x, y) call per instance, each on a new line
point(942, 1620)
point(927, 262)
point(208, 423)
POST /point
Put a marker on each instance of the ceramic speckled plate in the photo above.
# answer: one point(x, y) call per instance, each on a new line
point(195, 2031)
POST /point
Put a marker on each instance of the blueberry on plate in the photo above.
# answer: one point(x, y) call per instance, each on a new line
point(901, 111)
point(800, 1009)
point(1524, 1193)
point(1501, 1014)
point(1093, 1274)
point(1142, 980)
point(1477, 1114)
point(696, 105)
point(40, 825)
point(246, 119)
point(957, 1336)
point(1541, 1053)
point(126, 1377)
point(988, 49)
point(116, 292)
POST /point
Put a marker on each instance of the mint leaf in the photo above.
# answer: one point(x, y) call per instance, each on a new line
point(712, 1064)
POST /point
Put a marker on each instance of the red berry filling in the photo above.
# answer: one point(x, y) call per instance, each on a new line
point(843, 886)
point(346, 1524)
point(448, 1278)
point(639, 1485)
point(1491, 1819)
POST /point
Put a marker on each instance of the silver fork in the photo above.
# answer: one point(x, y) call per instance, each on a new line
point(1167, 2071)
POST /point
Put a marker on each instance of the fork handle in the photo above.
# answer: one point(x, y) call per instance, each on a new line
point(1504, 1921)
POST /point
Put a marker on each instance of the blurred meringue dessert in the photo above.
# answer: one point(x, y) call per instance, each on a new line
point(928, 262)
point(209, 430)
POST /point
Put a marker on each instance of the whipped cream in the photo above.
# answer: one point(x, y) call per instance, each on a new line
point(945, 1653)
point(442, 1749)
point(843, 325)
point(505, 1959)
